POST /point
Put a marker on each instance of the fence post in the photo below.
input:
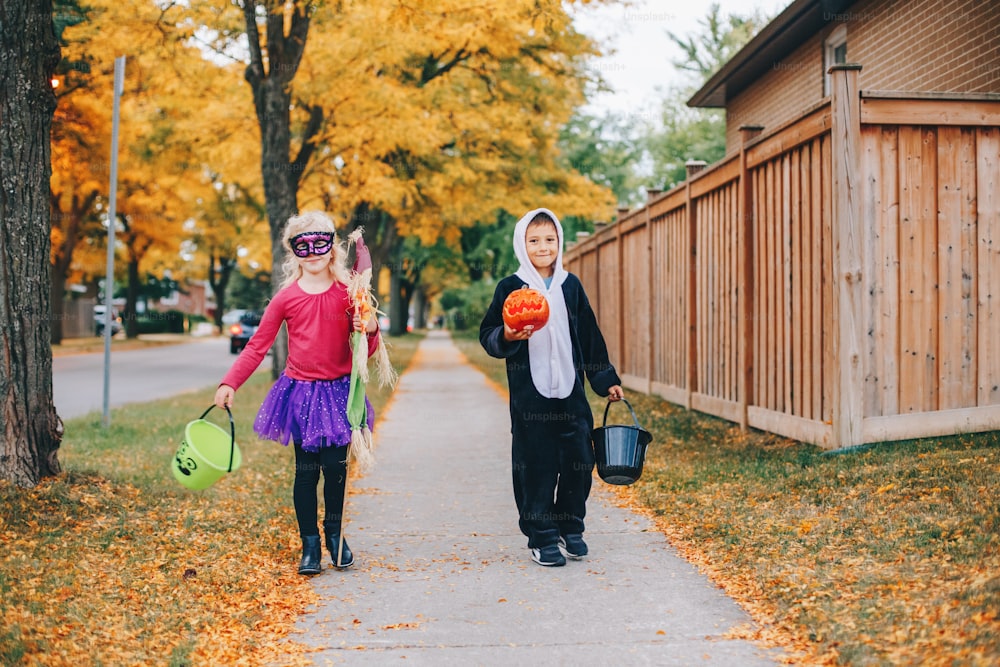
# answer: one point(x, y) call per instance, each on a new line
point(692, 286)
point(650, 284)
point(848, 292)
point(620, 297)
point(745, 332)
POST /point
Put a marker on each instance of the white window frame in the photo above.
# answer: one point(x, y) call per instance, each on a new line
point(834, 41)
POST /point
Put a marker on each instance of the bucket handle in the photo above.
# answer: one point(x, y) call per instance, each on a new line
point(629, 405)
point(232, 433)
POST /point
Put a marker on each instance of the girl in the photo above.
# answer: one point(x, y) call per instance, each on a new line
point(308, 402)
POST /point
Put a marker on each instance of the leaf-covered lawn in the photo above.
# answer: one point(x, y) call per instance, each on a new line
point(114, 563)
point(889, 555)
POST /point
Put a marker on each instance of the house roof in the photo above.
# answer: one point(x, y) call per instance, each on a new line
point(790, 29)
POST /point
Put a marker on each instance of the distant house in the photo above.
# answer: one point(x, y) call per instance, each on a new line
point(917, 46)
point(836, 277)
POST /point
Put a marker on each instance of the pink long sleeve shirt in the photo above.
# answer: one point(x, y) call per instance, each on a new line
point(319, 329)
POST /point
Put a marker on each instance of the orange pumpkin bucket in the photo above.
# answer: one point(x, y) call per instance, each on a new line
point(525, 308)
point(620, 449)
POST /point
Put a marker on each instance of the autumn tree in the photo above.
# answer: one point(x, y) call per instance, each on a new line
point(697, 134)
point(489, 142)
point(440, 117)
point(605, 149)
point(230, 226)
point(30, 429)
point(178, 135)
point(80, 140)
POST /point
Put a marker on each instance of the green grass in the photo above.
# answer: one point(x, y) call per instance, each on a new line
point(113, 562)
point(886, 555)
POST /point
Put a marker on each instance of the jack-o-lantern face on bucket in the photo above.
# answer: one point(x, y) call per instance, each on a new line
point(525, 308)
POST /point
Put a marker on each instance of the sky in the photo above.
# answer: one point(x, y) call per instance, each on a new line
point(639, 54)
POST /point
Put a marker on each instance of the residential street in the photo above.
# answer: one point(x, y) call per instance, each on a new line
point(139, 375)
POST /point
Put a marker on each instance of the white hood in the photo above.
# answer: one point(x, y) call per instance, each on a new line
point(550, 350)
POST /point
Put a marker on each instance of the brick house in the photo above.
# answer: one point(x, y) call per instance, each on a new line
point(917, 46)
point(836, 277)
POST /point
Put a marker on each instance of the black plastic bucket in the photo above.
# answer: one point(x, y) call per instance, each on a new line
point(620, 449)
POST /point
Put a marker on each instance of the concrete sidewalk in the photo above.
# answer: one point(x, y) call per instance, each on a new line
point(443, 576)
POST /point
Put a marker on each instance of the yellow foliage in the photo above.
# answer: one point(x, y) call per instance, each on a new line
point(437, 115)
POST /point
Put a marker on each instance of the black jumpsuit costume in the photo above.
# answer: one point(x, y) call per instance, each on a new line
point(552, 457)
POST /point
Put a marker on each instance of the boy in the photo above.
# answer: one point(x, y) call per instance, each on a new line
point(552, 456)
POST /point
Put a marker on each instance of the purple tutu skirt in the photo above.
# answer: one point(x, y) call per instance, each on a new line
point(313, 412)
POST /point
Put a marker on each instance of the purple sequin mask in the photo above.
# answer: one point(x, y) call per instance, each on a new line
point(311, 243)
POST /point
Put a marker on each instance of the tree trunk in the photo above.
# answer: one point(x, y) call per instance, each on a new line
point(219, 274)
point(397, 304)
point(131, 314)
point(271, 83)
point(30, 429)
point(419, 309)
point(57, 289)
point(71, 222)
point(279, 191)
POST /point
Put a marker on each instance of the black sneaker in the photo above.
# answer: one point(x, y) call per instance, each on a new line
point(548, 556)
point(573, 546)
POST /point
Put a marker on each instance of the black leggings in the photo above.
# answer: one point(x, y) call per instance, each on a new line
point(308, 465)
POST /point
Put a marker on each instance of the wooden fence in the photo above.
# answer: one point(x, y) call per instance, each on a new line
point(836, 281)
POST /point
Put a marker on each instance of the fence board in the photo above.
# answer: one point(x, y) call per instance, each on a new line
point(795, 224)
point(679, 288)
point(807, 128)
point(703, 296)
point(757, 285)
point(607, 292)
point(659, 299)
point(988, 189)
point(929, 112)
point(807, 332)
point(734, 250)
point(712, 180)
point(774, 285)
point(956, 192)
point(637, 298)
point(880, 170)
point(784, 352)
point(829, 360)
point(816, 279)
point(588, 276)
point(707, 318)
point(918, 270)
point(770, 271)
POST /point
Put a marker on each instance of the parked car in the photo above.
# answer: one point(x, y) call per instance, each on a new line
point(232, 317)
point(240, 332)
point(116, 320)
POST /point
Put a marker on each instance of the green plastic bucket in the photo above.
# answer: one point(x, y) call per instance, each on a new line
point(207, 452)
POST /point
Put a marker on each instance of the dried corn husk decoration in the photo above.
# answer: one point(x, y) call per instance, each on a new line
point(362, 448)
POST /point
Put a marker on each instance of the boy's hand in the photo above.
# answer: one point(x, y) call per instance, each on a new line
point(224, 396)
point(616, 393)
point(510, 335)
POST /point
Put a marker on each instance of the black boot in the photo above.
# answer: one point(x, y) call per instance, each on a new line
point(332, 543)
point(312, 555)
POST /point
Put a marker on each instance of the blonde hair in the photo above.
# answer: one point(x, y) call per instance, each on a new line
point(312, 221)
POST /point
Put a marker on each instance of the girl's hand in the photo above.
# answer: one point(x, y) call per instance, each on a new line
point(224, 396)
point(510, 335)
point(616, 393)
point(372, 326)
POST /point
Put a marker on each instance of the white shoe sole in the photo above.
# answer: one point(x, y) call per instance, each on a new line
point(567, 554)
point(537, 558)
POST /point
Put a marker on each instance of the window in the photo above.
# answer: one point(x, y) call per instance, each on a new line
point(834, 53)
